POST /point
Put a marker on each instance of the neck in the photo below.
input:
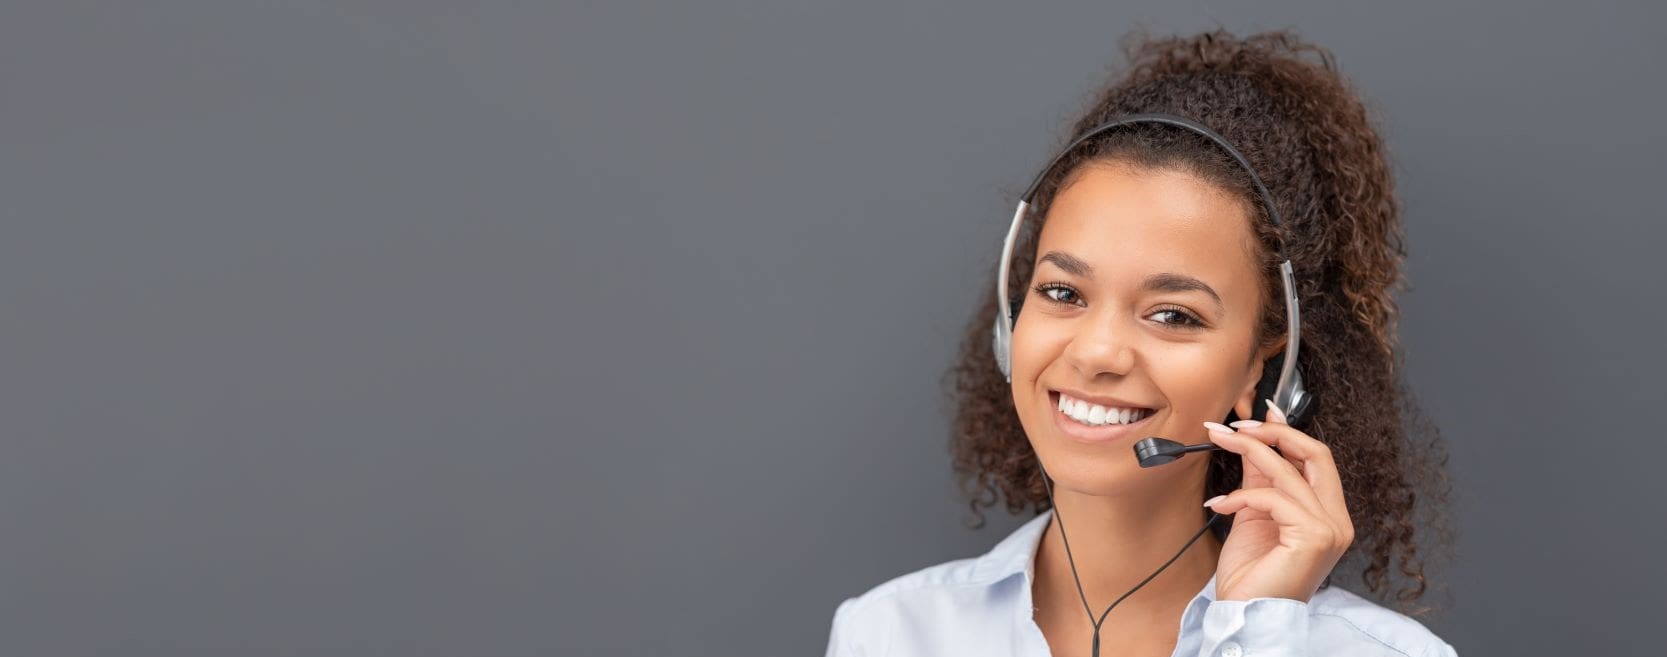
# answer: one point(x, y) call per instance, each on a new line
point(1118, 542)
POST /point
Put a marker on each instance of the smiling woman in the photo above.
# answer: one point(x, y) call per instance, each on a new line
point(1149, 273)
point(1162, 237)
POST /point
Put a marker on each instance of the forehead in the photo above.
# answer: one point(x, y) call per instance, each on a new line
point(1129, 222)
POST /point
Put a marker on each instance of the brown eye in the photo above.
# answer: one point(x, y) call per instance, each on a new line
point(1045, 288)
point(1187, 319)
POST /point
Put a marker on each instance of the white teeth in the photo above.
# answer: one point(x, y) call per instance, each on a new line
point(1095, 414)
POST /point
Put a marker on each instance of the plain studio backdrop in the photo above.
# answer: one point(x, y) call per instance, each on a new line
point(439, 328)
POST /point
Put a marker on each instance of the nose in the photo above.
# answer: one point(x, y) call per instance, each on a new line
point(1104, 343)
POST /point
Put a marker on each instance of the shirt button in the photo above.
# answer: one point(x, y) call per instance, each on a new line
point(1231, 649)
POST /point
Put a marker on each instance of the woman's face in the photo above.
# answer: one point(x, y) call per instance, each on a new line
point(1145, 295)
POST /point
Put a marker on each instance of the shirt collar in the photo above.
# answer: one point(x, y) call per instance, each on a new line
point(1016, 555)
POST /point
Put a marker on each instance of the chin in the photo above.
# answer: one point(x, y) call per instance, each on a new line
point(1098, 473)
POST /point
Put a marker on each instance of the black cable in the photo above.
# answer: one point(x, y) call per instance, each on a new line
point(1095, 651)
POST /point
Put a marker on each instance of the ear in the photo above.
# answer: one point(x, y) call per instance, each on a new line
point(1245, 405)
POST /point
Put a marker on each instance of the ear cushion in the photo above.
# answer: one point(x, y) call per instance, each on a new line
point(1004, 352)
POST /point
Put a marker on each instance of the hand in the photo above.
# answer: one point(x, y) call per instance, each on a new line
point(1290, 524)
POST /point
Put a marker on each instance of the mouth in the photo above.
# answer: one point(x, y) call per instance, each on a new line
point(1097, 434)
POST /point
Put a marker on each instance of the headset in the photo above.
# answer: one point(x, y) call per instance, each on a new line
point(1286, 391)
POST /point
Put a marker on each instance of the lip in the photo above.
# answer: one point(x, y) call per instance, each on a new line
point(1095, 435)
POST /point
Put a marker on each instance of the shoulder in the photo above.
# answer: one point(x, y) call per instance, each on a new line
point(927, 586)
point(945, 594)
point(1340, 620)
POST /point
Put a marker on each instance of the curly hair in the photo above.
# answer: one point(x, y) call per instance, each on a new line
point(1312, 142)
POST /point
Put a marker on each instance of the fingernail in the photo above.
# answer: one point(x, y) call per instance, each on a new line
point(1213, 500)
point(1274, 413)
point(1217, 426)
point(1245, 424)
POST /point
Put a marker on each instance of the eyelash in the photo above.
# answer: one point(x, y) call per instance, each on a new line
point(1193, 322)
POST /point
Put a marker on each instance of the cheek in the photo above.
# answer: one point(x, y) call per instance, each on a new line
point(1195, 381)
point(1035, 349)
point(1036, 345)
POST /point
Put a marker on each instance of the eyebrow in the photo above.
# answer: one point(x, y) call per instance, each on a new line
point(1159, 282)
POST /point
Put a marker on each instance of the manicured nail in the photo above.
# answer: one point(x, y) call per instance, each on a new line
point(1274, 413)
point(1245, 424)
point(1215, 499)
point(1217, 426)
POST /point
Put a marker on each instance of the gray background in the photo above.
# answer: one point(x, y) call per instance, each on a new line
point(514, 329)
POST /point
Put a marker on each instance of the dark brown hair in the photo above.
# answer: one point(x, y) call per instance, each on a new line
point(1284, 104)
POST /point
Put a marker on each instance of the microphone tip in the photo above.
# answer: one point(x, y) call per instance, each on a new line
point(1154, 451)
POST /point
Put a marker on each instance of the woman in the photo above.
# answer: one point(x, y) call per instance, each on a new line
point(1153, 304)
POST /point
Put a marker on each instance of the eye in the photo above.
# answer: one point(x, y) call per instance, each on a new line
point(1045, 288)
point(1188, 320)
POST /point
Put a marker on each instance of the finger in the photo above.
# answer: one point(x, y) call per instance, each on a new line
point(1301, 449)
point(1252, 476)
point(1275, 414)
point(1283, 474)
point(1248, 428)
point(1312, 457)
point(1296, 522)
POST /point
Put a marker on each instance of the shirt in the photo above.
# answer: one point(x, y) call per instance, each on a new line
point(981, 606)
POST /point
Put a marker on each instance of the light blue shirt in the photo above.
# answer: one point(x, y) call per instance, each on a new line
point(981, 606)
